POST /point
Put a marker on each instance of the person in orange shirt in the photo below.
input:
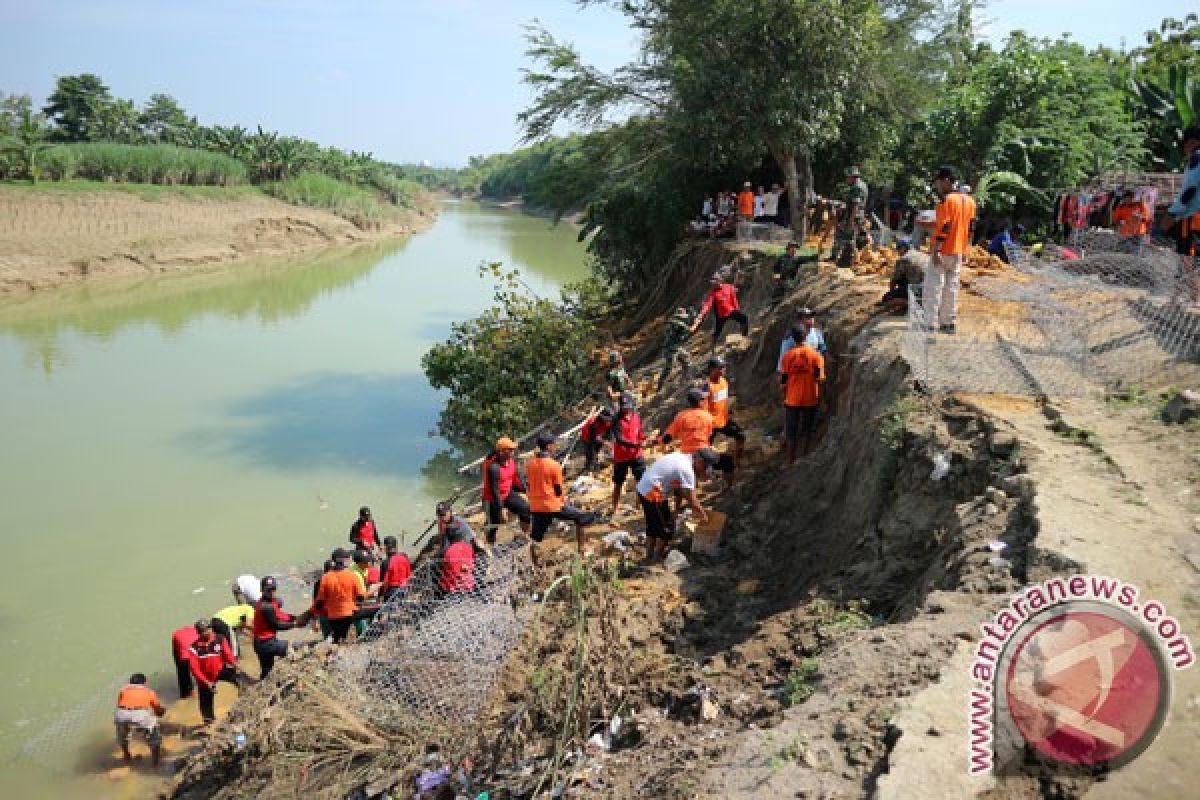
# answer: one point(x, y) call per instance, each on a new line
point(138, 709)
point(953, 230)
point(548, 496)
point(1131, 218)
point(691, 427)
point(801, 374)
point(745, 201)
point(338, 595)
point(716, 402)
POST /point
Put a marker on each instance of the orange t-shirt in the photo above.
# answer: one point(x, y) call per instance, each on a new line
point(337, 593)
point(693, 428)
point(952, 224)
point(542, 474)
point(717, 402)
point(1132, 219)
point(805, 369)
point(136, 696)
point(746, 203)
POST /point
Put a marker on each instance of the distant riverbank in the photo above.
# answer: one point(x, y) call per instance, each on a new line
point(56, 235)
point(574, 216)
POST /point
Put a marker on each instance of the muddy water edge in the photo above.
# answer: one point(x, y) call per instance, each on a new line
point(164, 435)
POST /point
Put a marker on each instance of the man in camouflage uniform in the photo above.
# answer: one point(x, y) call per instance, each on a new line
point(616, 380)
point(853, 195)
point(679, 329)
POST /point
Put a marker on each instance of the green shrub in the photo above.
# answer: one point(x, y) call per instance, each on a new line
point(312, 189)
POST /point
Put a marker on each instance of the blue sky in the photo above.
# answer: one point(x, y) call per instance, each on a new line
point(407, 79)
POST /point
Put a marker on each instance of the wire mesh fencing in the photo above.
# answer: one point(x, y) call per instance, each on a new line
point(433, 655)
point(1121, 314)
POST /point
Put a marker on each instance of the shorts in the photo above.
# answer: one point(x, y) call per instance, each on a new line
point(660, 524)
point(731, 429)
point(514, 503)
point(141, 720)
point(542, 520)
point(799, 420)
point(621, 470)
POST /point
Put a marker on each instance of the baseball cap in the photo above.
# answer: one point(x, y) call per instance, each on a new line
point(339, 554)
point(268, 582)
point(505, 443)
point(361, 557)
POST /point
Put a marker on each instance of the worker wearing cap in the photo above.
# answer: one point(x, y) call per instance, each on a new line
point(628, 437)
point(692, 427)
point(716, 402)
point(501, 484)
point(616, 380)
point(804, 329)
point(548, 495)
point(211, 660)
point(138, 709)
point(363, 533)
point(787, 266)
point(593, 434)
point(723, 300)
point(396, 568)
point(673, 473)
point(853, 196)
point(338, 595)
point(954, 228)
point(269, 620)
point(678, 331)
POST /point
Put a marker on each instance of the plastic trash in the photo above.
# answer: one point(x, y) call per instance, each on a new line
point(618, 540)
point(941, 467)
point(997, 546)
point(675, 561)
point(240, 741)
point(198, 590)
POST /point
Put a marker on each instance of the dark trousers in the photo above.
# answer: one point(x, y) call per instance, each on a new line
point(183, 672)
point(590, 451)
point(267, 651)
point(340, 628)
point(719, 324)
point(206, 695)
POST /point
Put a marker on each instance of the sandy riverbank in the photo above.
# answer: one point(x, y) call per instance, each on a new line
point(52, 237)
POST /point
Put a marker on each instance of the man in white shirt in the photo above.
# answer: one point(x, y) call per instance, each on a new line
point(246, 590)
point(771, 202)
point(673, 472)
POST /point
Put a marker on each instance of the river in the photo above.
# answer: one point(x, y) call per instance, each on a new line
point(163, 436)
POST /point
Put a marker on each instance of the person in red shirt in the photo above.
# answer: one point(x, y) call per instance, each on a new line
point(458, 569)
point(181, 640)
point(396, 569)
point(269, 620)
point(628, 437)
point(138, 709)
point(548, 496)
point(593, 433)
point(363, 532)
point(211, 660)
point(722, 299)
point(501, 483)
point(801, 375)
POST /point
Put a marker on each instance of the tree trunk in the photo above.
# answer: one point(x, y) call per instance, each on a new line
point(798, 179)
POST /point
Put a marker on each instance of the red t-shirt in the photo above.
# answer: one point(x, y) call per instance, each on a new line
point(399, 570)
point(458, 565)
point(182, 639)
point(630, 429)
point(366, 534)
point(209, 658)
point(723, 300)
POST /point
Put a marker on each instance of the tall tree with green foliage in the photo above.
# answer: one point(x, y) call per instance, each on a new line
point(26, 141)
point(162, 118)
point(76, 105)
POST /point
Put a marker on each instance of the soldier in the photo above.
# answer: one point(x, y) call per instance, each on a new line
point(679, 330)
point(853, 196)
point(616, 380)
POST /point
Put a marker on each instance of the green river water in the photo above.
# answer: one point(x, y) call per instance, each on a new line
point(163, 436)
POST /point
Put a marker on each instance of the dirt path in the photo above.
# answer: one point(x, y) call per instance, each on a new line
point(53, 237)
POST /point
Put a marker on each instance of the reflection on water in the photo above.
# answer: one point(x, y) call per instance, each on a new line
point(268, 292)
point(166, 434)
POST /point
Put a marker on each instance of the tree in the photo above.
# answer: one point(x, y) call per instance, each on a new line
point(163, 119)
point(76, 105)
point(117, 121)
point(27, 141)
point(1170, 107)
point(521, 361)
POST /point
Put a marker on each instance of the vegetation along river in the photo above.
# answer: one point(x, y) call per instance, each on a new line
point(164, 436)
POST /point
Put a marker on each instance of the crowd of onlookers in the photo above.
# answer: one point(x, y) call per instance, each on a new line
point(719, 215)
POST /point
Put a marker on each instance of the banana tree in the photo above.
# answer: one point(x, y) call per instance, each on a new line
point(28, 142)
point(1004, 188)
point(1174, 105)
